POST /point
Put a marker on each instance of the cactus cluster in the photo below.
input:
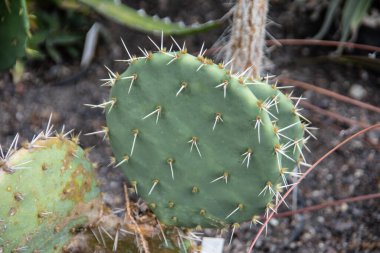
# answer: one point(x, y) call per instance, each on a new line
point(203, 146)
point(14, 29)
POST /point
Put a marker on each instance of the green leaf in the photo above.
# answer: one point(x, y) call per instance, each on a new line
point(125, 15)
point(14, 31)
point(353, 14)
point(331, 12)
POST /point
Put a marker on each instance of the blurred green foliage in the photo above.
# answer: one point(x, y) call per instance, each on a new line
point(58, 27)
point(139, 20)
point(353, 12)
point(352, 16)
point(57, 32)
point(14, 31)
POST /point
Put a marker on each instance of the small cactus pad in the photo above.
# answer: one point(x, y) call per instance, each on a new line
point(287, 121)
point(44, 188)
point(14, 28)
point(194, 140)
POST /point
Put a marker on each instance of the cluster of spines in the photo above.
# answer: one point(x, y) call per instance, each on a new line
point(271, 102)
point(6, 167)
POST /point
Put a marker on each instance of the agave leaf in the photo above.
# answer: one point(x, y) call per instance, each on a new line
point(331, 12)
point(125, 15)
point(353, 14)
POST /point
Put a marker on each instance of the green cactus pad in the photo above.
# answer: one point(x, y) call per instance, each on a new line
point(14, 28)
point(191, 126)
point(44, 191)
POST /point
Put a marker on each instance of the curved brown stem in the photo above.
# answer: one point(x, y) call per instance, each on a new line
point(329, 93)
point(324, 205)
point(326, 43)
point(333, 115)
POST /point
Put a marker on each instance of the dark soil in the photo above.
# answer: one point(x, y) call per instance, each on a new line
point(351, 171)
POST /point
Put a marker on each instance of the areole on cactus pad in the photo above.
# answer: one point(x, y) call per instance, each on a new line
point(202, 146)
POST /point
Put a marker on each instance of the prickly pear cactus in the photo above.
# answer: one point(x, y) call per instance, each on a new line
point(46, 188)
point(14, 28)
point(203, 146)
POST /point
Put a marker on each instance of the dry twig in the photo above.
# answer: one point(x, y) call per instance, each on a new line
point(128, 215)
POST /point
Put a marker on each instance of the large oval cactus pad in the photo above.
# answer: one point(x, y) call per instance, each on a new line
point(183, 131)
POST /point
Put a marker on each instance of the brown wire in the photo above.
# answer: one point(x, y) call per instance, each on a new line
point(329, 93)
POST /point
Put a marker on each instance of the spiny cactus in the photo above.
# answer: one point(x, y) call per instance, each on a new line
point(14, 29)
point(203, 146)
point(47, 188)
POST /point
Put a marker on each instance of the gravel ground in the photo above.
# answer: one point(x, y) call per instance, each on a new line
point(351, 171)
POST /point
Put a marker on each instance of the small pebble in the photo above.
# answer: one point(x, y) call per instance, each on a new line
point(321, 219)
point(274, 222)
point(357, 91)
point(344, 207)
